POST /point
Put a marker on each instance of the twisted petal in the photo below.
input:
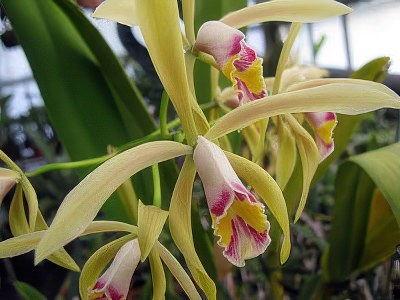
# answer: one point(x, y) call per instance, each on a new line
point(114, 283)
point(323, 124)
point(235, 58)
point(238, 218)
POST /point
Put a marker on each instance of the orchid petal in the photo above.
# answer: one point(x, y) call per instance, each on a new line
point(234, 57)
point(302, 11)
point(297, 74)
point(151, 220)
point(115, 281)
point(98, 262)
point(267, 188)
point(121, 11)
point(157, 275)
point(16, 215)
point(181, 227)
point(178, 272)
point(323, 125)
point(286, 160)
point(165, 49)
point(8, 178)
point(238, 218)
point(27, 242)
point(188, 19)
point(20, 244)
point(350, 97)
point(85, 200)
point(310, 157)
point(109, 226)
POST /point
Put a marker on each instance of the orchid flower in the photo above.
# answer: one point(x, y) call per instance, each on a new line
point(237, 61)
point(238, 218)
point(114, 283)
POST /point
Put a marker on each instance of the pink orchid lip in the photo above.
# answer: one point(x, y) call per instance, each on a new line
point(230, 205)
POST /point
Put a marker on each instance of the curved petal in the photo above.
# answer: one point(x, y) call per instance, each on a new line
point(180, 225)
point(302, 11)
point(286, 159)
point(350, 97)
point(309, 156)
point(178, 272)
point(159, 24)
point(83, 203)
point(121, 11)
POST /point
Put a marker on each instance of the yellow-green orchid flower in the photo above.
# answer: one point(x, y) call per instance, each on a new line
point(238, 218)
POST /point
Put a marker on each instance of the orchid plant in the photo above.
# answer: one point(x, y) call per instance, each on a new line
point(297, 103)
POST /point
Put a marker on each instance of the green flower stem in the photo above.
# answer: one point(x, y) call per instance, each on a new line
point(164, 115)
point(156, 185)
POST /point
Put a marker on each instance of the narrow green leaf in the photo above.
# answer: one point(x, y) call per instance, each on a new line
point(352, 240)
point(28, 292)
point(383, 233)
point(383, 166)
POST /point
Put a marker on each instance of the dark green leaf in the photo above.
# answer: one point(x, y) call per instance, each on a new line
point(353, 245)
point(28, 292)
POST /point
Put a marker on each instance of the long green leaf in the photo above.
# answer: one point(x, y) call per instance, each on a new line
point(89, 98)
point(353, 245)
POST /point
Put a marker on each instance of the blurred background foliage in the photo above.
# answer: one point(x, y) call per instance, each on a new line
point(344, 241)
